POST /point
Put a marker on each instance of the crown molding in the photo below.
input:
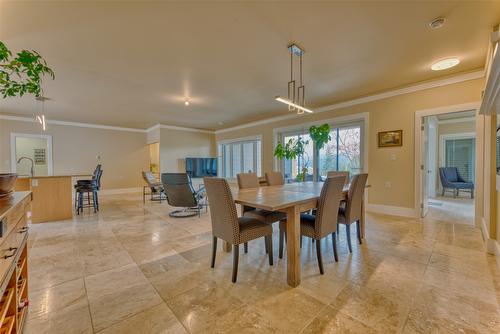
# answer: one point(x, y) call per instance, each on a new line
point(181, 128)
point(375, 97)
point(77, 124)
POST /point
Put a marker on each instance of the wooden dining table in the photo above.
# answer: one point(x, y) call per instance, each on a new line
point(292, 199)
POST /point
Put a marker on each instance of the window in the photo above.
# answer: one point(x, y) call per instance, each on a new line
point(240, 156)
point(291, 167)
point(460, 153)
point(343, 153)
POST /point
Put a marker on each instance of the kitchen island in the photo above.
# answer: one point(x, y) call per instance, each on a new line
point(52, 196)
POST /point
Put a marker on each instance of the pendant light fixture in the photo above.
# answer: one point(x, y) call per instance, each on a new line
point(40, 118)
point(296, 99)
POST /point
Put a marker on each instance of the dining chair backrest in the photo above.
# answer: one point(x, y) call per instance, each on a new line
point(328, 206)
point(275, 179)
point(222, 209)
point(355, 198)
point(344, 174)
point(248, 180)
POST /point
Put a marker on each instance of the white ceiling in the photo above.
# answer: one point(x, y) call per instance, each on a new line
point(133, 64)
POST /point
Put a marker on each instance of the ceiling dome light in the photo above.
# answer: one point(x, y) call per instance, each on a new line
point(444, 64)
point(437, 23)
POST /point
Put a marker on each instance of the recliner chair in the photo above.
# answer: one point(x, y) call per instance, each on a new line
point(180, 193)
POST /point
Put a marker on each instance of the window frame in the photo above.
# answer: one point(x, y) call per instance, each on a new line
point(257, 161)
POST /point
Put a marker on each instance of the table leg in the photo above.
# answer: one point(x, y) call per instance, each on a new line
point(293, 246)
point(362, 220)
point(226, 246)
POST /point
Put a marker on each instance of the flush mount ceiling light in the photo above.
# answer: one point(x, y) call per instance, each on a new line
point(296, 99)
point(444, 64)
point(186, 103)
point(437, 23)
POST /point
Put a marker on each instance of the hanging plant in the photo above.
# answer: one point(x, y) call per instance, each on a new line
point(23, 73)
point(320, 135)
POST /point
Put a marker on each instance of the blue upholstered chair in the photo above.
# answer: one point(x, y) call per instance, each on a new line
point(451, 180)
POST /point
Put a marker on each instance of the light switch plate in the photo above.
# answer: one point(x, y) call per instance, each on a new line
point(34, 182)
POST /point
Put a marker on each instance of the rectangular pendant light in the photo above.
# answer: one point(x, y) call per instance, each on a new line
point(290, 103)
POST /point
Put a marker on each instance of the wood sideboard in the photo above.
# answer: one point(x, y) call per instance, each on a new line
point(15, 213)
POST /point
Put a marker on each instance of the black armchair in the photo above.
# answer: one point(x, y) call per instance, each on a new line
point(180, 193)
point(452, 180)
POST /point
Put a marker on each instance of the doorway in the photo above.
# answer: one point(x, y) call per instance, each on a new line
point(31, 155)
point(448, 160)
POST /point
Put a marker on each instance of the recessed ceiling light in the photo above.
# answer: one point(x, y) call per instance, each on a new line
point(437, 23)
point(186, 103)
point(444, 64)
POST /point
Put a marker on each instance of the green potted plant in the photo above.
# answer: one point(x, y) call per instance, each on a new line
point(320, 135)
point(294, 148)
point(22, 74)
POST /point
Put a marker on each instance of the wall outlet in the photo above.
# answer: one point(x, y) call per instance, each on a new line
point(34, 183)
point(393, 157)
point(387, 184)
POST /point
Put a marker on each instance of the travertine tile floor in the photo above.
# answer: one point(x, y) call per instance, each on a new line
point(133, 269)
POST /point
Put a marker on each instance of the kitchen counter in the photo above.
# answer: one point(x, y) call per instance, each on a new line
point(52, 196)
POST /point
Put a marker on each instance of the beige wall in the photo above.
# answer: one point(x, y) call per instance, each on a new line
point(176, 145)
point(123, 154)
point(388, 114)
point(453, 128)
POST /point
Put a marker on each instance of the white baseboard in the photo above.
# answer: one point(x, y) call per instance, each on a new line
point(121, 191)
point(491, 245)
point(393, 210)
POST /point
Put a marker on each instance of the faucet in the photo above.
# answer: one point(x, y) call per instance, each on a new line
point(32, 164)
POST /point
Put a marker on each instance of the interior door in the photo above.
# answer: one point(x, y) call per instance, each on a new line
point(432, 139)
point(424, 167)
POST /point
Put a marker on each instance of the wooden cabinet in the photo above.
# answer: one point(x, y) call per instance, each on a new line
point(14, 216)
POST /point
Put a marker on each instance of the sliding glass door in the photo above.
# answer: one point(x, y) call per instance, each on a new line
point(342, 153)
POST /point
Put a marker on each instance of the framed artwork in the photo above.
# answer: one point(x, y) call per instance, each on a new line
point(390, 138)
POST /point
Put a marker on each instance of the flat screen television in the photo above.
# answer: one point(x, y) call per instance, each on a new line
point(201, 167)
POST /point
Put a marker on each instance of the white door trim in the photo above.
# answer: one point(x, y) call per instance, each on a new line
point(13, 160)
point(419, 114)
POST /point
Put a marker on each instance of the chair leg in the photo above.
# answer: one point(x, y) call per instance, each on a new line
point(348, 234)
point(265, 244)
point(358, 230)
point(245, 247)
point(94, 200)
point(214, 251)
point(236, 254)
point(472, 193)
point(282, 237)
point(443, 192)
point(300, 241)
point(269, 242)
point(334, 243)
point(338, 229)
point(320, 259)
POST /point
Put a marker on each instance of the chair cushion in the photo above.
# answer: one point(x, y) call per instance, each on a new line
point(463, 185)
point(251, 228)
point(265, 216)
point(451, 174)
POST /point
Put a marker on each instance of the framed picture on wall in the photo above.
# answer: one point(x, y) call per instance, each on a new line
point(39, 156)
point(390, 138)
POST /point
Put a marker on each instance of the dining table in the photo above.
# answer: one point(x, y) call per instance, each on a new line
point(292, 199)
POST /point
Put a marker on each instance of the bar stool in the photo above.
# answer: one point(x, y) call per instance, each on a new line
point(88, 189)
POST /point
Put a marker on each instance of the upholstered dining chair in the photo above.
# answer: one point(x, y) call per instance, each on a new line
point(274, 179)
point(226, 224)
point(344, 174)
point(250, 180)
point(351, 213)
point(323, 223)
